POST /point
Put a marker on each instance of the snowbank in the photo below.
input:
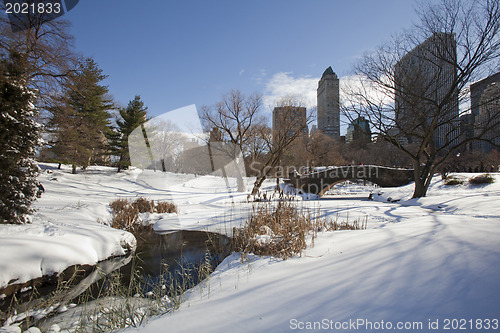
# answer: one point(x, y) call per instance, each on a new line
point(64, 229)
point(421, 263)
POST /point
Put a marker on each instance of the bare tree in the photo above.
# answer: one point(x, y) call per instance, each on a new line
point(236, 117)
point(167, 145)
point(46, 44)
point(289, 127)
point(412, 89)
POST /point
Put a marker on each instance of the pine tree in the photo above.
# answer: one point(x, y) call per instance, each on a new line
point(134, 115)
point(81, 118)
point(18, 140)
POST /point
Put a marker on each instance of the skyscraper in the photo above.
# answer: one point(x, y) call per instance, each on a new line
point(424, 81)
point(487, 121)
point(477, 89)
point(328, 104)
point(358, 132)
point(288, 121)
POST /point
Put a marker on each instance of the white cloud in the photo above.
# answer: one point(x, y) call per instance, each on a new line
point(285, 84)
point(304, 88)
point(260, 76)
point(358, 84)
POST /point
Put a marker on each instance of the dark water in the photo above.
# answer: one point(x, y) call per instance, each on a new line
point(161, 254)
point(158, 258)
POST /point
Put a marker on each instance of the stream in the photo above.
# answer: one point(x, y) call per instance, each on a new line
point(162, 261)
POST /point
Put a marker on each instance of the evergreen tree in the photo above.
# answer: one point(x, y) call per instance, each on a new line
point(134, 115)
point(81, 118)
point(18, 140)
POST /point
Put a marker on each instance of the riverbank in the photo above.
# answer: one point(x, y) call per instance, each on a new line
point(64, 231)
point(422, 265)
point(418, 260)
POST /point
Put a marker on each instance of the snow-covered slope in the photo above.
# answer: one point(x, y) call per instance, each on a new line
point(70, 223)
point(422, 264)
point(64, 229)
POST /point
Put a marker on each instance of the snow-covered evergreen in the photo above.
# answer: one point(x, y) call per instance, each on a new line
point(18, 139)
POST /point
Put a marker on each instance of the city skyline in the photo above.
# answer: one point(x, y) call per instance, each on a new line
point(271, 48)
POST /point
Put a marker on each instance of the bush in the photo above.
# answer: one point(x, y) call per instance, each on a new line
point(482, 179)
point(126, 213)
point(453, 180)
point(126, 218)
point(165, 207)
point(119, 204)
point(282, 231)
point(144, 205)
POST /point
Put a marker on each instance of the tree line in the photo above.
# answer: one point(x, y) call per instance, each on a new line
point(56, 106)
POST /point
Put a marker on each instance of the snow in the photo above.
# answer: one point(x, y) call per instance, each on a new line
point(419, 260)
point(64, 229)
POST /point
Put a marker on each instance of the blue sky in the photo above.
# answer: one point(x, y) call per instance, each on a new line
point(177, 53)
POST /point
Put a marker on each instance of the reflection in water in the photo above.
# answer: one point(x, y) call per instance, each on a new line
point(177, 251)
point(157, 256)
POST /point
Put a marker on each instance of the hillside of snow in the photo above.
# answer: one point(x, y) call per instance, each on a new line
point(423, 265)
point(420, 263)
point(70, 222)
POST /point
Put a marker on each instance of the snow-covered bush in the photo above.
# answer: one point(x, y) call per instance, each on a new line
point(453, 180)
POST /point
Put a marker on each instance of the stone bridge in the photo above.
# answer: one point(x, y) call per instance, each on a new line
point(321, 181)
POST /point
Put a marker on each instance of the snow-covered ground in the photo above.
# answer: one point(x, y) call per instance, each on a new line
point(64, 229)
point(70, 223)
point(423, 265)
point(435, 258)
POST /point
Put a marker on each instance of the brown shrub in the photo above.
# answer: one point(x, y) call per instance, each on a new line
point(282, 231)
point(126, 218)
point(119, 204)
point(144, 205)
point(126, 213)
point(453, 180)
point(165, 207)
point(482, 179)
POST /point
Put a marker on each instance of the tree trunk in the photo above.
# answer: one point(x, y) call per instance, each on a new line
point(258, 183)
point(271, 163)
point(420, 190)
point(421, 183)
point(239, 176)
point(73, 169)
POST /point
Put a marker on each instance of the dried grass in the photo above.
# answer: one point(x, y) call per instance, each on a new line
point(144, 205)
point(126, 213)
point(283, 230)
point(165, 207)
point(482, 179)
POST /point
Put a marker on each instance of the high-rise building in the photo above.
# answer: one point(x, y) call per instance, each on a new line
point(487, 122)
point(424, 78)
point(358, 132)
point(484, 111)
point(288, 120)
point(328, 104)
point(477, 89)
